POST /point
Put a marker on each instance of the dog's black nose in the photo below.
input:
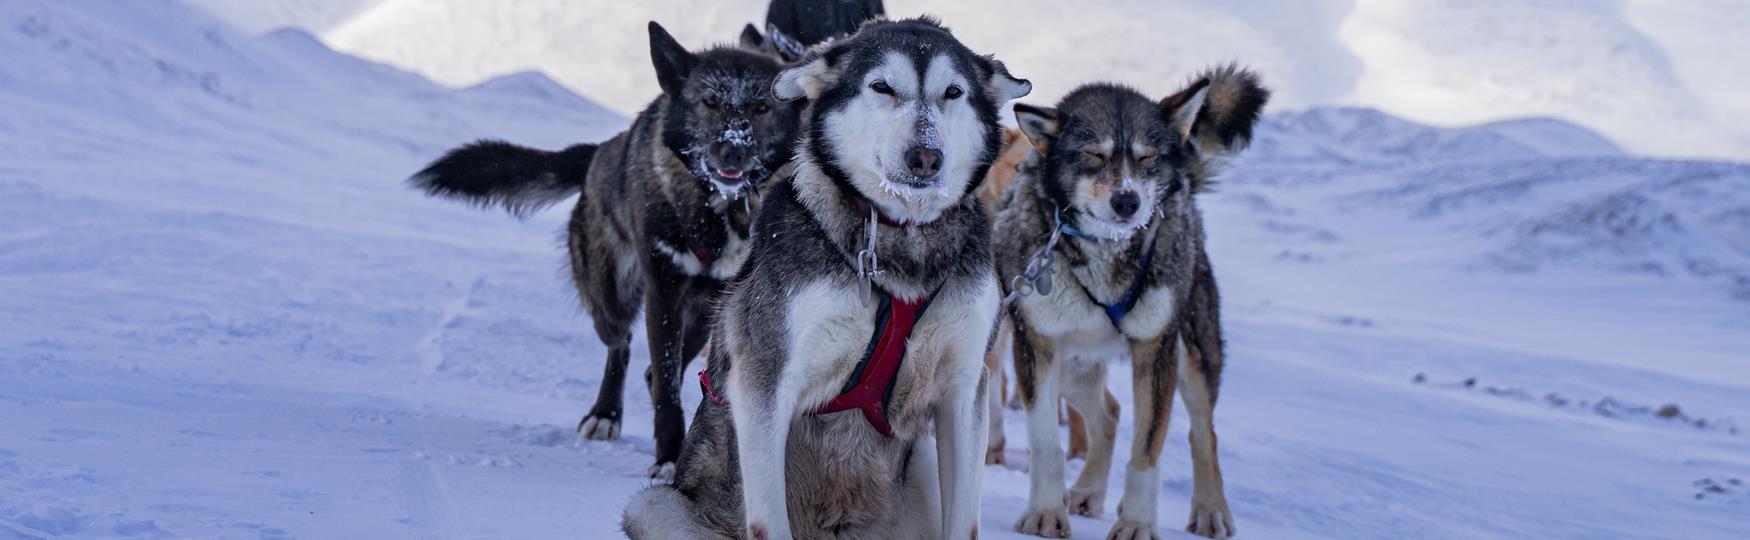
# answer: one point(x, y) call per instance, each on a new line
point(732, 156)
point(1125, 203)
point(924, 162)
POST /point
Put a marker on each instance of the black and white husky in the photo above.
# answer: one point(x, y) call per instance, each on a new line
point(862, 315)
point(663, 217)
point(1102, 228)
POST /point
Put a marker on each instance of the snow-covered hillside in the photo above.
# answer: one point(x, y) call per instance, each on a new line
point(222, 313)
point(261, 16)
point(1653, 75)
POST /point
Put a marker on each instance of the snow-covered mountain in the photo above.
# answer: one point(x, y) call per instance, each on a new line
point(223, 314)
point(1652, 75)
point(261, 16)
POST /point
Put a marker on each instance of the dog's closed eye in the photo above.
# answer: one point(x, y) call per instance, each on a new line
point(1148, 157)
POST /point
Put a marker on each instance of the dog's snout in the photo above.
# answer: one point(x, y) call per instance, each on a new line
point(1125, 203)
point(731, 158)
point(924, 162)
point(738, 124)
point(731, 154)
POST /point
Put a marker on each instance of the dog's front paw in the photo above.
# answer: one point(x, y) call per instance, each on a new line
point(1210, 517)
point(663, 472)
point(1091, 502)
point(1047, 522)
point(1131, 530)
point(993, 454)
point(599, 426)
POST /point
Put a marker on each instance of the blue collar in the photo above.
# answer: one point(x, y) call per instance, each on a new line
point(1073, 231)
point(1117, 310)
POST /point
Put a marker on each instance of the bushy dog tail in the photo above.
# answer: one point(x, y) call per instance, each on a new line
point(1232, 107)
point(661, 512)
point(496, 173)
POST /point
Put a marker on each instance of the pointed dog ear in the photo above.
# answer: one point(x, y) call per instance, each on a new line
point(1039, 124)
point(1219, 109)
point(673, 63)
point(806, 80)
point(1181, 108)
point(1005, 86)
point(751, 38)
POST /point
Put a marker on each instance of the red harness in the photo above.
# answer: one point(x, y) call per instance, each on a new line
point(871, 385)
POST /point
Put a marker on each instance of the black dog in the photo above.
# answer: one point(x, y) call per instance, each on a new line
point(663, 217)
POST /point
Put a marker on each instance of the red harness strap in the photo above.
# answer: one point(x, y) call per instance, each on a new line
point(871, 385)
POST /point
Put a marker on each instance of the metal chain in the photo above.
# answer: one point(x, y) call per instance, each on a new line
point(868, 264)
point(1036, 278)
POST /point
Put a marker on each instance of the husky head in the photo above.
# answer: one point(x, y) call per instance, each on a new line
point(1112, 159)
point(721, 117)
point(902, 113)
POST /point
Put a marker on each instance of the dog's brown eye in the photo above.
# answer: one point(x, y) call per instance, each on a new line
point(761, 108)
point(1091, 158)
point(881, 87)
point(712, 101)
point(954, 92)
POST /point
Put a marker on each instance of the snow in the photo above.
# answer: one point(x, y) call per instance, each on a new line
point(1651, 75)
point(259, 16)
point(222, 313)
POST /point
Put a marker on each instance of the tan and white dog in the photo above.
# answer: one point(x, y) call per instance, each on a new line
point(1103, 228)
point(1016, 148)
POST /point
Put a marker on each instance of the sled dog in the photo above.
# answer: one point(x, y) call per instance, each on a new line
point(663, 218)
point(846, 383)
point(1101, 246)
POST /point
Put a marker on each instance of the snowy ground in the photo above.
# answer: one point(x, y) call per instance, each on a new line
point(223, 315)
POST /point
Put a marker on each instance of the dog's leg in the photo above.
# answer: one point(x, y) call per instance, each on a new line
point(664, 324)
point(1036, 373)
point(1078, 432)
point(1209, 513)
point(762, 413)
point(1085, 390)
point(960, 433)
point(923, 493)
point(613, 306)
point(603, 420)
point(993, 364)
point(1152, 377)
point(702, 292)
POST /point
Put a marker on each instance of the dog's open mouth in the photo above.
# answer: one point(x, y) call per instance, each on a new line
point(730, 188)
point(732, 183)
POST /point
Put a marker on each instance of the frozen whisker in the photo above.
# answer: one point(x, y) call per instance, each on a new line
point(903, 192)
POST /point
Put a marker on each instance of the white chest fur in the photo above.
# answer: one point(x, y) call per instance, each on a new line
point(830, 328)
point(1081, 328)
point(725, 266)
